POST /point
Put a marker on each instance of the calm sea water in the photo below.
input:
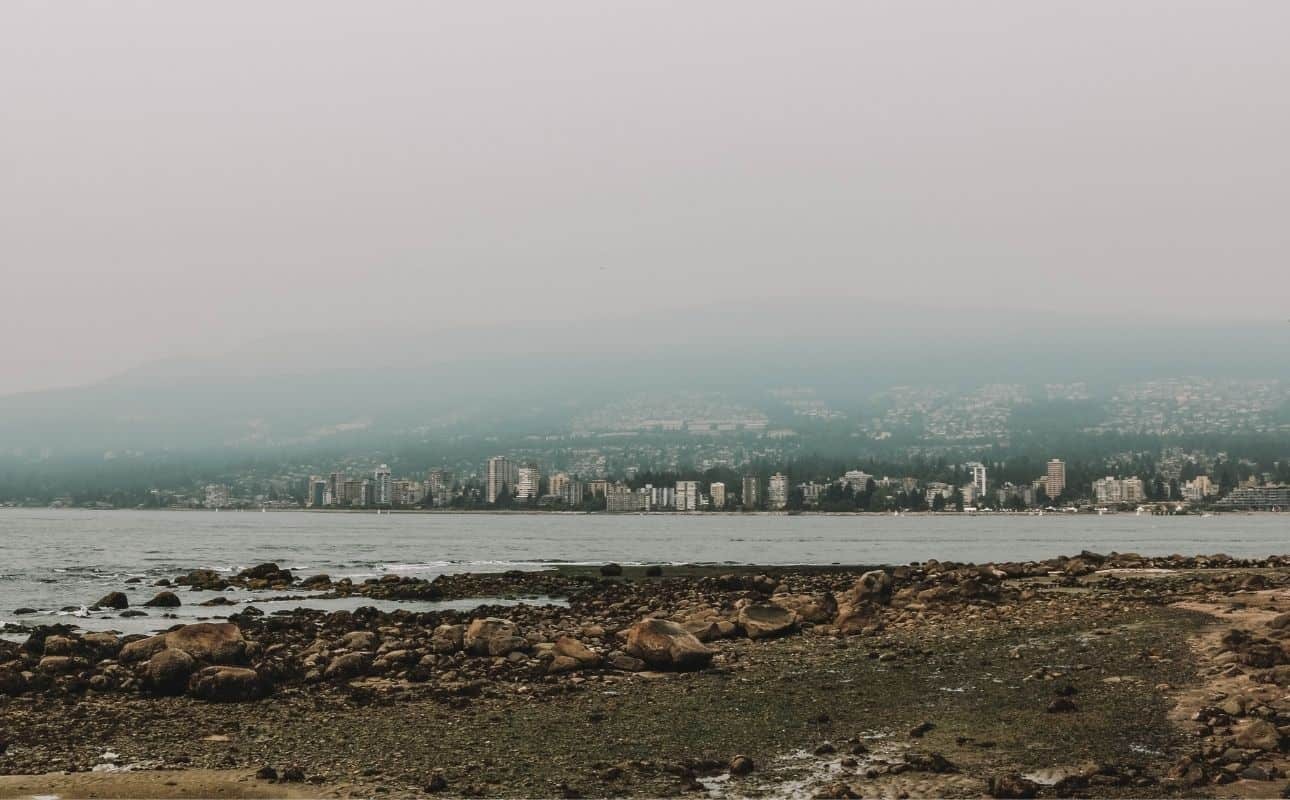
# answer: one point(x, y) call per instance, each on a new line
point(51, 559)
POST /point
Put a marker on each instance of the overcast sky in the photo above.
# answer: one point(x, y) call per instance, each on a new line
point(184, 177)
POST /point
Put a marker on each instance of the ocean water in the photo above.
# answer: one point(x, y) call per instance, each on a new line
point(56, 559)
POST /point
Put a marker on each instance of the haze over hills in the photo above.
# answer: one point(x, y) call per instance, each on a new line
point(538, 377)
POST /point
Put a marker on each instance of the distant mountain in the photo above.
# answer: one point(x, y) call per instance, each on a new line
point(347, 385)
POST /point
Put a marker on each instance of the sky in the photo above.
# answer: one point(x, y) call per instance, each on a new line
point(182, 179)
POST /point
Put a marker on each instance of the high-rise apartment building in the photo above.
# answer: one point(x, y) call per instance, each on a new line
point(559, 484)
point(528, 482)
point(316, 496)
point(382, 486)
point(979, 479)
point(718, 492)
point(1056, 483)
point(439, 486)
point(336, 487)
point(503, 474)
point(751, 495)
point(777, 491)
point(687, 495)
point(566, 488)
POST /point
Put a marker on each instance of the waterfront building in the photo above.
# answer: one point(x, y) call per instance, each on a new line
point(1257, 498)
point(352, 493)
point(336, 487)
point(1010, 492)
point(659, 498)
point(777, 491)
point(979, 479)
point(687, 495)
point(811, 492)
point(382, 486)
point(407, 493)
point(856, 480)
point(1056, 483)
point(439, 486)
point(751, 495)
point(1198, 488)
point(528, 482)
point(718, 492)
point(1115, 491)
point(316, 496)
point(619, 498)
point(502, 475)
point(945, 490)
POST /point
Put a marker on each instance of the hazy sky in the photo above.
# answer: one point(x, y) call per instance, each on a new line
point(184, 177)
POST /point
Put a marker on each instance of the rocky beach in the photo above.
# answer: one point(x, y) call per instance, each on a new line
point(1094, 675)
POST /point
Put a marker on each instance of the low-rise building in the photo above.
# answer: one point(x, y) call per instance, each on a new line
point(1257, 498)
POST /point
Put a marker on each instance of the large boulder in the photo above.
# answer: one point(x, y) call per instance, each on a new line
point(203, 579)
point(872, 587)
point(764, 620)
point(816, 609)
point(102, 643)
point(164, 600)
point(348, 665)
point(168, 671)
point(208, 642)
point(60, 664)
point(853, 618)
point(666, 645)
point(359, 640)
point(571, 654)
point(116, 600)
point(60, 646)
point(222, 684)
point(706, 625)
point(142, 649)
point(448, 638)
point(269, 573)
point(492, 636)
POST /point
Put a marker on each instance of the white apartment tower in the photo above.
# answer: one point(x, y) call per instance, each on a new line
point(502, 475)
point(777, 491)
point(528, 482)
point(718, 492)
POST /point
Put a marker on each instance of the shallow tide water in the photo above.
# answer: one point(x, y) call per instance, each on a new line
point(55, 559)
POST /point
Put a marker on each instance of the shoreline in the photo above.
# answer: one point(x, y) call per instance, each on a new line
point(689, 514)
point(1076, 675)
